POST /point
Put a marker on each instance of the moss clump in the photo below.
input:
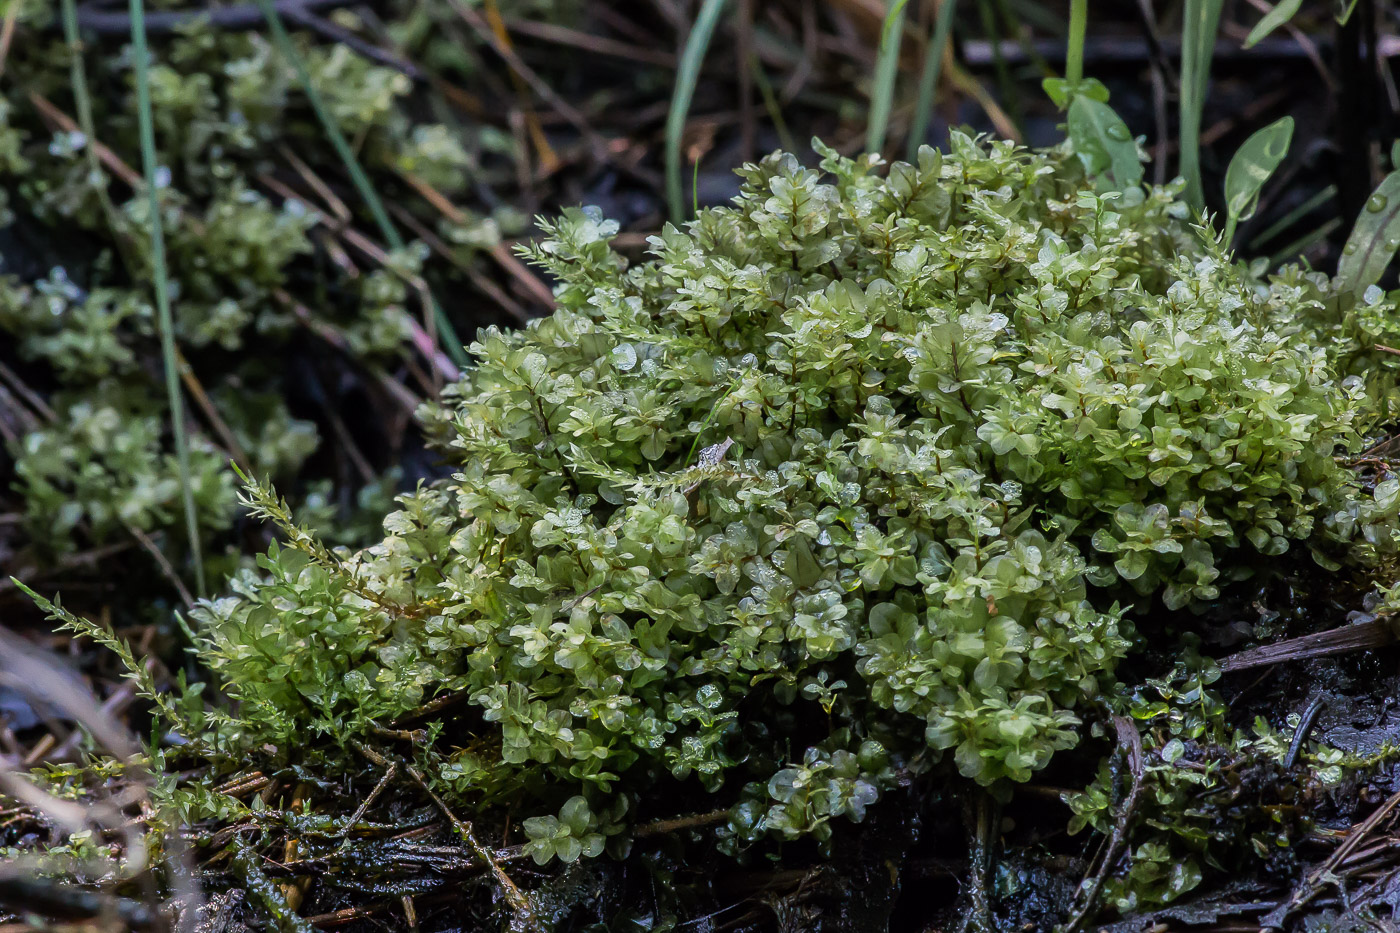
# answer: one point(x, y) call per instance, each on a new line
point(280, 324)
point(849, 480)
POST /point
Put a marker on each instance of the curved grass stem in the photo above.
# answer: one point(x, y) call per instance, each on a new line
point(162, 286)
point(687, 76)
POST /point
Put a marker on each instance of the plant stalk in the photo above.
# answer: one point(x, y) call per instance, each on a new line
point(162, 285)
point(1074, 55)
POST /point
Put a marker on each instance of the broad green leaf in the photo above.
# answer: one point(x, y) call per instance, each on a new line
point(1374, 239)
point(1103, 142)
point(1062, 90)
point(1254, 163)
point(1282, 12)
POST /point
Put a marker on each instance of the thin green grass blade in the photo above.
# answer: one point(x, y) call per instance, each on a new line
point(687, 75)
point(1301, 245)
point(446, 332)
point(1007, 93)
point(886, 69)
point(1074, 54)
point(1200, 21)
point(928, 77)
point(771, 104)
point(1271, 232)
point(82, 97)
point(162, 286)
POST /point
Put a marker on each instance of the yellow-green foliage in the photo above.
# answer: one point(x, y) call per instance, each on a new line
point(75, 302)
point(849, 478)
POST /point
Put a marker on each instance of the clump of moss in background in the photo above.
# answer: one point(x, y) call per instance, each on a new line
point(849, 481)
point(264, 299)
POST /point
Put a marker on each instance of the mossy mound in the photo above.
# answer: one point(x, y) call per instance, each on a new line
point(850, 481)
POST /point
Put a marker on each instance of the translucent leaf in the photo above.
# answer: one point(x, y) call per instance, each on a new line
point(1374, 239)
point(1102, 141)
point(1254, 163)
point(1282, 12)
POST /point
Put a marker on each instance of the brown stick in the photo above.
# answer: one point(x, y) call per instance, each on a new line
point(1326, 872)
point(1130, 741)
point(500, 252)
point(518, 902)
point(1374, 634)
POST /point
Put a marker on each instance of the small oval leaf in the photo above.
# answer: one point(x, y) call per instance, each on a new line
point(1374, 239)
point(1253, 165)
point(1282, 12)
point(1103, 142)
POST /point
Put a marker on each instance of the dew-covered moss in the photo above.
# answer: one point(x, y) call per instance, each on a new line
point(855, 478)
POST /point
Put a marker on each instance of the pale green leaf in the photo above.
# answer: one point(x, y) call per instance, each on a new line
point(1254, 163)
point(1374, 239)
point(1282, 12)
point(1103, 142)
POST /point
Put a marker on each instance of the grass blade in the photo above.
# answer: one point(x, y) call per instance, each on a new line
point(82, 97)
point(1074, 54)
point(928, 77)
point(1006, 85)
point(886, 69)
point(771, 104)
point(162, 285)
point(446, 332)
point(1298, 247)
point(1199, 23)
point(1271, 232)
point(687, 75)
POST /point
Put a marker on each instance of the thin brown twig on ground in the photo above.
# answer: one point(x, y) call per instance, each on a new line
point(597, 45)
point(514, 896)
point(1326, 873)
point(1130, 743)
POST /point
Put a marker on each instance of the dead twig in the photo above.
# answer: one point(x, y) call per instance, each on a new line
point(597, 45)
point(517, 65)
point(1300, 735)
point(514, 896)
point(1130, 742)
point(1326, 873)
point(507, 260)
point(1374, 634)
point(92, 18)
point(35, 895)
point(694, 821)
point(365, 804)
